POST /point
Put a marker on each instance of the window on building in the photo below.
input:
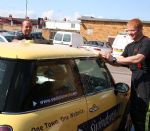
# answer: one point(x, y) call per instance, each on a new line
point(72, 25)
point(90, 31)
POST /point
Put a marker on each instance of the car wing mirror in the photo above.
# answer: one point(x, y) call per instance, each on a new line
point(121, 88)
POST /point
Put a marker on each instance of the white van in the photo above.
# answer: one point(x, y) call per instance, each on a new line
point(68, 38)
point(120, 42)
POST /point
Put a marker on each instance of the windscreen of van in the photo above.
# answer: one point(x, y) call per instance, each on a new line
point(15, 77)
point(67, 38)
point(58, 37)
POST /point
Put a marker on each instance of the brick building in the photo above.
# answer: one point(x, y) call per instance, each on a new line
point(89, 27)
point(10, 23)
point(102, 29)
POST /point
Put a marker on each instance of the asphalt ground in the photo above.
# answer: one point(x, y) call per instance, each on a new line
point(120, 74)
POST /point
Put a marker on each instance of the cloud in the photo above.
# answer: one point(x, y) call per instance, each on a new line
point(73, 17)
point(49, 14)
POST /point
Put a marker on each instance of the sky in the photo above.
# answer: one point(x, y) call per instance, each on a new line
point(73, 9)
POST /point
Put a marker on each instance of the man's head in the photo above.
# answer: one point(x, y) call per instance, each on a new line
point(135, 29)
point(26, 27)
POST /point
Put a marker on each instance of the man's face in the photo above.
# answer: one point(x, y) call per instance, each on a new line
point(134, 32)
point(26, 28)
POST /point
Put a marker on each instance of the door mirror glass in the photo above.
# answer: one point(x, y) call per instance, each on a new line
point(121, 88)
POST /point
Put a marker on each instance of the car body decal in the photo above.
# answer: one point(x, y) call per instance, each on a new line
point(101, 121)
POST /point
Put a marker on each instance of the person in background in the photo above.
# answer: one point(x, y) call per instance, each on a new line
point(137, 57)
point(26, 34)
point(26, 30)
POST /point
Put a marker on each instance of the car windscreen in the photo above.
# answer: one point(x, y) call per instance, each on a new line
point(58, 37)
point(15, 80)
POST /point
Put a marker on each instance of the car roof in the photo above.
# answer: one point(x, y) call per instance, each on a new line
point(33, 51)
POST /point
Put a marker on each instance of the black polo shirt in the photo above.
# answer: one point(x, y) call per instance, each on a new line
point(21, 36)
point(140, 47)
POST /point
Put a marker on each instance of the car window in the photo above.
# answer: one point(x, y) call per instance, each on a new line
point(67, 38)
point(9, 38)
point(1, 40)
point(99, 43)
point(58, 36)
point(36, 85)
point(55, 83)
point(5, 76)
point(15, 80)
point(94, 75)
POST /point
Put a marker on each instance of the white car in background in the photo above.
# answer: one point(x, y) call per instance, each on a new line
point(97, 46)
point(6, 37)
point(2, 38)
point(120, 42)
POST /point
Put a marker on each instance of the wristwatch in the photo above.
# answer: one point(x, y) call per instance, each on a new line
point(114, 60)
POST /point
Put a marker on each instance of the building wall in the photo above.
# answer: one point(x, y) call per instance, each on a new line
point(102, 30)
point(14, 27)
point(10, 28)
point(63, 25)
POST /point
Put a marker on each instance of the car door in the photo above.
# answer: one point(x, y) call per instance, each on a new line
point(105, 108)
point(59, 97)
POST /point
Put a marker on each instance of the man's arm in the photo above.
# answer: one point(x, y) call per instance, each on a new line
point(131, 59)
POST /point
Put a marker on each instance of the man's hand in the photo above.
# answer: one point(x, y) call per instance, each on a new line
point(105, 55)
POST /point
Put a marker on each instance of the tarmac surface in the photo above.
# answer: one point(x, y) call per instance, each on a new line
point(120, 74)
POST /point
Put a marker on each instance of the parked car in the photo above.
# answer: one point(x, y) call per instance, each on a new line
point(57, 88)
point(96, 46)
point(3, 39)
point(1, 31)
point(15, 33)
point(72, 39)
point(6, 37)
point(37, 35)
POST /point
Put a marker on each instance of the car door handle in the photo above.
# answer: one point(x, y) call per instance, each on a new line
point(94, 108)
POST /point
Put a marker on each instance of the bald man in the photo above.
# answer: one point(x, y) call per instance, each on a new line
point(26, 30)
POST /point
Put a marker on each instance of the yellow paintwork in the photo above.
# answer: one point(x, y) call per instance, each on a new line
point(40, 51)
point(54, 118)
point(61, 116)
point(104, 101)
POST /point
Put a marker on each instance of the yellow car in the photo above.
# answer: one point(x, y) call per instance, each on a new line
point(55, 88)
